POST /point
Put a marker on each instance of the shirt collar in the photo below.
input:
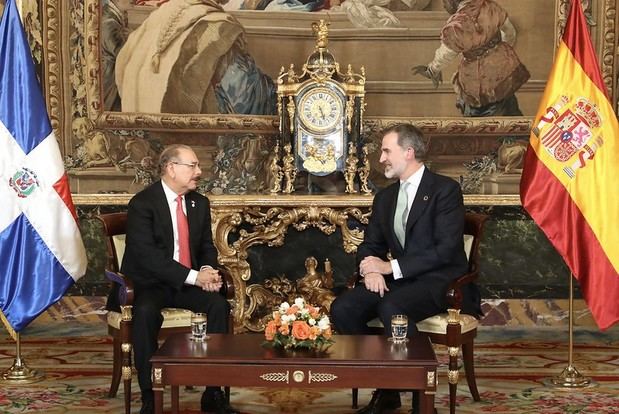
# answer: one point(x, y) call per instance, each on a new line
point(415, 179)
point(170, 195)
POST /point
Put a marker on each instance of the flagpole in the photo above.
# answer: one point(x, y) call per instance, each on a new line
point(20, 373)
point(570, 377)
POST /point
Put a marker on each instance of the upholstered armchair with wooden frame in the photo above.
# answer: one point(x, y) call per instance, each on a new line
point(452, 329)
point(119, 323)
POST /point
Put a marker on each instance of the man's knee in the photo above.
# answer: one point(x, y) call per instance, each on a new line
point(387, 308)
point(147, 312)
point(219, 305)
point(340, 309)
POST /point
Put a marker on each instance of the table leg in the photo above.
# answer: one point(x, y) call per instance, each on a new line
point(174, 399)
point(158, 400)
point(426, 403)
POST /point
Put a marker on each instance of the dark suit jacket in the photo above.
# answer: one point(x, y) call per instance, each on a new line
point(150, 240)
point(434, 250)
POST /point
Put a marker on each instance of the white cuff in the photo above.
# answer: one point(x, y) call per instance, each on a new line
point(397, 272)
point(191, 277)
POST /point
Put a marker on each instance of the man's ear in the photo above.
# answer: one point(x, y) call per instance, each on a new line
point(410, 153)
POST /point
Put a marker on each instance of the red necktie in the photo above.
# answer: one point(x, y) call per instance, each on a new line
point(184, 256)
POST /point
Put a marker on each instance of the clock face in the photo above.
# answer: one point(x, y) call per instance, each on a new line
point(320, 109)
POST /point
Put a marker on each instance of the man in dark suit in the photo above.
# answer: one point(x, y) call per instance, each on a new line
point(412, 248)
point(171, 258)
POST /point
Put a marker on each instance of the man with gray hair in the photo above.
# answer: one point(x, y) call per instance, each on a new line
point(172, 261)
point(412, 249)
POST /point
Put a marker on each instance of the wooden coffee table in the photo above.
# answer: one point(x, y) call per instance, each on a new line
point(359, 361)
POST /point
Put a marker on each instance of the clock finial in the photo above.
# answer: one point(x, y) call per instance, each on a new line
point(321, 30)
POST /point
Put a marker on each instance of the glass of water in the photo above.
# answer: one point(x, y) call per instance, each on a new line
point(399, 328)
point(198, 327)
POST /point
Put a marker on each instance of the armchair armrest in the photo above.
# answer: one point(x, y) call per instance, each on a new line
point(227, 288)
point(124, 285)
point(454, 290)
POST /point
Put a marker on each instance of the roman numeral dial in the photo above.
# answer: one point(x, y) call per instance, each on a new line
point(320, 109)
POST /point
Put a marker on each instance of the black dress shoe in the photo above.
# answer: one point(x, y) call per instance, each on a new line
point(148, 402)
point(382, 402)
point(214, 401)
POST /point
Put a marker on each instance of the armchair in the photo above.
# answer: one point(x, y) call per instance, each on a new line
point(119, 321)
point(452, 329)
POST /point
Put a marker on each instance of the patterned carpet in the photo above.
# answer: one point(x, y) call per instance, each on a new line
point(69, 343)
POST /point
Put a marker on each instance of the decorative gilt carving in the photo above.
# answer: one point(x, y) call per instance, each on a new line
point(92, 19)
point(431, 379)
point(290, 171)
point(254, 220)
point(453, 351)
point(364, 170)
point(221, 202)
point(350, 110)
point(126, 373)
point(453, 316)
point(320, 377)
point(351, 168)
point(462, 126)
point(609, 35)
point(298, 376)
point(126, 313)
point(275, 171)
point(275, 376)
point(452, 376)
point(291, 108)
point(314, 287)
point(157, 376)
point(54, 82)
point(126, 347)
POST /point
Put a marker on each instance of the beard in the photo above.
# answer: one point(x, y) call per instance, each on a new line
point(391, 172)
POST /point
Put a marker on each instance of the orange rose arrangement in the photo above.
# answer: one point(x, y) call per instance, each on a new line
point(298, 326)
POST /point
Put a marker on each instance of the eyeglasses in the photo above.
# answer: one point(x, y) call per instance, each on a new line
point(192, 165)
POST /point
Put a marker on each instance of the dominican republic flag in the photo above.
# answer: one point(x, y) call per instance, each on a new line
point(41, 249)
point(571, 170)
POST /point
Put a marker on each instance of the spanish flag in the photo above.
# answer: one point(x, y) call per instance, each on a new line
point(570, 182)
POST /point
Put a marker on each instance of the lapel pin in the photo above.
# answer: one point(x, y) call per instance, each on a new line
point(193, 203)
point(425, 198)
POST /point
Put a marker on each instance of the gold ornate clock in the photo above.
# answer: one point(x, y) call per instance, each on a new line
point(320, 112)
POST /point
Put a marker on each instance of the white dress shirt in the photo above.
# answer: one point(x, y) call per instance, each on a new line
point(414, 181)
point(171, 199)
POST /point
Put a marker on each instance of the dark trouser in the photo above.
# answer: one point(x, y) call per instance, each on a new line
point(351, 311)
point(147, 320)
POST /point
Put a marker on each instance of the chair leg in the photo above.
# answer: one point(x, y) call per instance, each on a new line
point(355, 398)
point(116, 367)
point(126, 348)
point(227, 394)
point(453, 388)
point(469, 369)
point(127, 388)
point(452, 377)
